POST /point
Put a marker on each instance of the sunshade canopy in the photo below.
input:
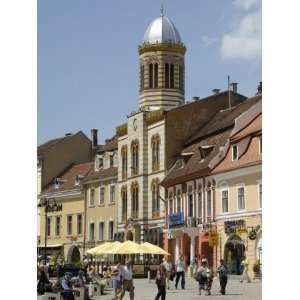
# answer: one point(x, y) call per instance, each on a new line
point(102, 249)
point(149, 248)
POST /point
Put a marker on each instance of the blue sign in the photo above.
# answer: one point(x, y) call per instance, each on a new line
point(176, 219)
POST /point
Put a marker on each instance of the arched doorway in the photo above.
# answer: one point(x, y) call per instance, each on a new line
point(73, 256)
point(129, 235)
point(233, 254)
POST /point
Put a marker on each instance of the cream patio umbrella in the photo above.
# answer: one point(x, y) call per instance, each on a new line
point(148, 248)
point(102, 249)
point(127, 247)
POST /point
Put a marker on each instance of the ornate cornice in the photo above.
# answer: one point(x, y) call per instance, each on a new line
point(169, 47)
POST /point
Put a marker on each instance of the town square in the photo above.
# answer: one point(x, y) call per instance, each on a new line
point(169, 205)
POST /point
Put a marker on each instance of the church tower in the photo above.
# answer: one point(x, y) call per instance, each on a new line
point(161, 57)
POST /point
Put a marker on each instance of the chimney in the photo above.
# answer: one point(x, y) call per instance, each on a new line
point(234, 86)
point(259, 89)
point(216, 91)
point(94, 137)
point(196, 98)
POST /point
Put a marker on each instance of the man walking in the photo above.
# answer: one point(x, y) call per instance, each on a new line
point(245, 264)
point(127, 275)
point(223, 276)
point(168, 267)
point(180, 272)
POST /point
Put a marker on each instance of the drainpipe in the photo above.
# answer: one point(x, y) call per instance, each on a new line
point(84, 220)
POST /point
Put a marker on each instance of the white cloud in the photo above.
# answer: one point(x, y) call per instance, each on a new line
point(246, 4)
point(245, 41)
point(208, 41)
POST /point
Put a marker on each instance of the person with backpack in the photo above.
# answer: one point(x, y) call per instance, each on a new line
point(223, 276)
point(201, 276)
point(160, 281)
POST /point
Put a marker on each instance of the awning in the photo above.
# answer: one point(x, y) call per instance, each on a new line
point(51, 246)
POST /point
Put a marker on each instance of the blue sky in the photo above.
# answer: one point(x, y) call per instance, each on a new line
point(88, 59)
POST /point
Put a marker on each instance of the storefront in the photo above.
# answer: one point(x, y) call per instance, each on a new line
point(239, 238)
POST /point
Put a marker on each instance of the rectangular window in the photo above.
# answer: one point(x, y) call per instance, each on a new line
point(79, 224)
point(191, 206)
point(69, 225)
point(101, 231)
point(178, 203)
point(111, 230)
point(112, 194)
point(208, 203)
point(100, 162)
point(225, 201)
point(92, 232)
point(235, 155)
point(155, 75)
point(200, 205)
point(260, 195)
point(260, 145)
point(57, 226)
point(241, 198)
point(49, 226)
point(111, 161)
point(102, 193)
point(92, 197)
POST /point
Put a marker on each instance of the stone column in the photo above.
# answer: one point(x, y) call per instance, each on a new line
point(177, 248)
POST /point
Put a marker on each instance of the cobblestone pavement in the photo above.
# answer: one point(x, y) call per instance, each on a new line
point(235, 291)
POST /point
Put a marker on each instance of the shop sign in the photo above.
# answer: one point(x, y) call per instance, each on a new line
point(213, 238)
point(233, 226)
point(53, 208)
point(176, 219)
point(252, 235)
point(241, 230)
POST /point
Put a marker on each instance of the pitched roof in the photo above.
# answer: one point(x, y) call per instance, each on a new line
point(222, 119)
point(102, 174)
point(43, 148)
point(212, 138)
point(195, 163)
point(110, 145)
point(68, 177)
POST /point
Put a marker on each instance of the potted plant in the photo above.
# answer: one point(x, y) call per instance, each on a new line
point(256, 268)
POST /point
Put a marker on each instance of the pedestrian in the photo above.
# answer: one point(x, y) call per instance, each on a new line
point(67, 292)
point(44, 285)
point(168, 266)
point(81, 283)
point(116, 280)
point(245, 264)
point(180, 272)
point(210, 279)
point(127, 280)
point(201, 275)
point(160, 281)
point(223, 276)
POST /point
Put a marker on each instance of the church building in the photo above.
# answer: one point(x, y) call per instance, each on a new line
point(152, 138)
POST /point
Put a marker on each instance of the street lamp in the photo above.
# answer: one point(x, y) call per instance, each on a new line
point(44, 203)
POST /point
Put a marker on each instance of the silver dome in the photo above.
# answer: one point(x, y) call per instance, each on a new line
point(162, 30)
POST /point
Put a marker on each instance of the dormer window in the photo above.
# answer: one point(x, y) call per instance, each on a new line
point(111, 161)
point(235, 153)
point(58, 182)
point(205, 150)
point(78, 179)
point(100, 163)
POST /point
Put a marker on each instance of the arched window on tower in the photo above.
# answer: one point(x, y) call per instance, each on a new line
point(169, 76)
point(155, 198)
point(181, 78)
point(172, 76)
point(134, 157)
point(135, 199)
point(142, 77)
point(156, 75)
point(151, 76)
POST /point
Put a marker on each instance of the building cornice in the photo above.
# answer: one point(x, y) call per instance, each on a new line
point(167, 47)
